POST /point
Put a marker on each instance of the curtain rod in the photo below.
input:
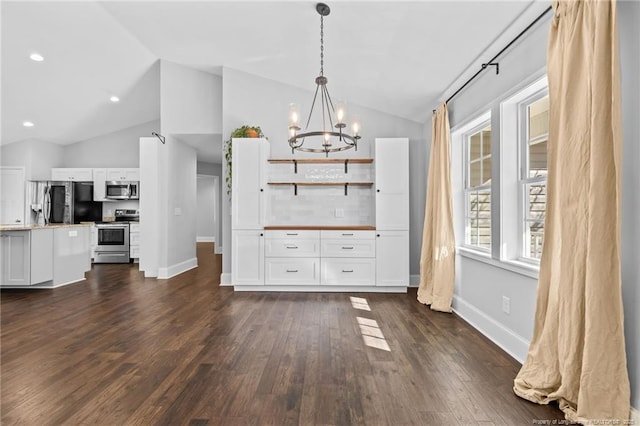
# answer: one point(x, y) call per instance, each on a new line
point(497, 64)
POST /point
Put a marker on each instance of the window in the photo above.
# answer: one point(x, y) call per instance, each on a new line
point(478, 187)
point(534, 119)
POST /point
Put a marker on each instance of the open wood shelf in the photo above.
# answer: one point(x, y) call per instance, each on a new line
point(346, 161)
point(321, 160)
point(297, 184)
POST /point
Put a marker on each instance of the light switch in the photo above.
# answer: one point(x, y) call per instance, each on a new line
point(339, 212)
point(177, 211)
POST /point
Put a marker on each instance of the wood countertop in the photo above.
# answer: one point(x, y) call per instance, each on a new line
point(32, 227)
point(320, 227)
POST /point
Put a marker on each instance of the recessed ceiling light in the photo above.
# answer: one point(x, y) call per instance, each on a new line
point(37, 57)
point(114, 99)
point(27, 124)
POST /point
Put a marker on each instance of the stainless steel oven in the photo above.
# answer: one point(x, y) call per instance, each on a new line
point(113, 243)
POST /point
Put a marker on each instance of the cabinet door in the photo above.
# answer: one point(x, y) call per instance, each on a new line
point(16, 258)
point(41, 255)
point(392, 258)
point(392, 183)
point(247, 190)
point(126, 174)
point(99, 179)
point(247, 260)
point(75, 174)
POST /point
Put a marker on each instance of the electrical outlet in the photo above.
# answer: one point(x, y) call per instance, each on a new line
point(506, 305)
point(339, 212)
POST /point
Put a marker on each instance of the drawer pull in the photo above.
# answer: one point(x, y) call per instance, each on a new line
point(292, 233)
point(347, 248)
point(347, 235)
point(292, 270)
point(347, 270)
point(292, 247)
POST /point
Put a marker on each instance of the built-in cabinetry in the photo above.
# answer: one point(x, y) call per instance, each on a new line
point(44, 257)
point(16, 252)
point(77, 174)
point(134, 240)
point(101, 176)
point(372, 257)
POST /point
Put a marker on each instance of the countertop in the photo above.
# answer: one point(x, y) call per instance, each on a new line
point(31, 227)
point(321, 228)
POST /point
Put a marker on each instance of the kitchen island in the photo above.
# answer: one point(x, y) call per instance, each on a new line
point(49, 256)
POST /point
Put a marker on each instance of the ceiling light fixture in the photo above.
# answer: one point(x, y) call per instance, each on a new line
point(329, 113)
point(114, 99)
point(27, 124)
point(36, 57)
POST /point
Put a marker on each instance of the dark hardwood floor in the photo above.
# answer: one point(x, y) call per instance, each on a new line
point(120, 349)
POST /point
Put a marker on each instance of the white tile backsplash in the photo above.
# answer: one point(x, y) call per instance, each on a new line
point(317, 205)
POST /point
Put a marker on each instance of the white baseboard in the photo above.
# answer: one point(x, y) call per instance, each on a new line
point(218, 249)
point(635, 417)
point(414, 280)
point(206, 239)
point(225, 279)
point(178, 268)
point(506, 339)
point(322, 288)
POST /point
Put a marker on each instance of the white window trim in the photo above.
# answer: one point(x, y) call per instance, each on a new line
point(474, 127)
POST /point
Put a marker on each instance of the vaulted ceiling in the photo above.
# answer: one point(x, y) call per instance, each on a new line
point(396, 57)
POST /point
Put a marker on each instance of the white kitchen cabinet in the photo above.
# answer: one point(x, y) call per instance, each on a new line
point(292, 271)
point(248, 183)
point(99, 180)
point(134, 240)
point(124, 174)
point(41, 255)
point(16, 258)
point(392, 183)
point(247, 261)
point(94, 240)
point(392, 258)
point(347, 271)
point(75, 174)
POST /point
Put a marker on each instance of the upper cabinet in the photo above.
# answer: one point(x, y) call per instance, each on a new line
point(249, 157)
point(99, 179)
point(77, 174)
point(392, 183)
point(130, 174)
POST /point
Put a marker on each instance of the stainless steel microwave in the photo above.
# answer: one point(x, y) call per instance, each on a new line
point(122, 190)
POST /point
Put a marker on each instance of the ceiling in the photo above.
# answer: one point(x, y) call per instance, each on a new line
point(396, 57)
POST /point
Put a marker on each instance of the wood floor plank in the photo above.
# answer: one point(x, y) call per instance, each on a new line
point(123, 349)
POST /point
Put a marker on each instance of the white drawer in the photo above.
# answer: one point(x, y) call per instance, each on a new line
point(348, 271)
point(134, 252)
point(134, 227)
point(348, 235)
point(348, 248)
point(291, 234)
point(285, 271)
point(292, 248)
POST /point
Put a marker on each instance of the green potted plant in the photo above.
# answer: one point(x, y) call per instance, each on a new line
point(240, 132)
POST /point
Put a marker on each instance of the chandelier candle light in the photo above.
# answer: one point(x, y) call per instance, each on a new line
point(329, 113)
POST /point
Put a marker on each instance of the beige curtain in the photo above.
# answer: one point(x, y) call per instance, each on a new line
point(577, 355)
point(438, 243)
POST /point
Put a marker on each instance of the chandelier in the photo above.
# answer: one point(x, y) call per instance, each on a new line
point(333, 137)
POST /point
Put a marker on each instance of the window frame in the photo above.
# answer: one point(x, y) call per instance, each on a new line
point(466, 180)
point(524, 181)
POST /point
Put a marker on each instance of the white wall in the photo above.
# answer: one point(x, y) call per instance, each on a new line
point(215, 169)
point(252, 100)
point(206, 203)
point(37, 157)
point(629, 17)
point(480, 286)
point(189, 103)
point(117, 149)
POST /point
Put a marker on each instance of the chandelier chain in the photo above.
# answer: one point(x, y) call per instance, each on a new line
point(321, 45)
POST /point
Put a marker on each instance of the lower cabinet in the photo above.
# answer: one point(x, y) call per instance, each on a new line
point(16, 258)
point(392, 258)
point(247, 261)
point(320, 258)
point(134, 240)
